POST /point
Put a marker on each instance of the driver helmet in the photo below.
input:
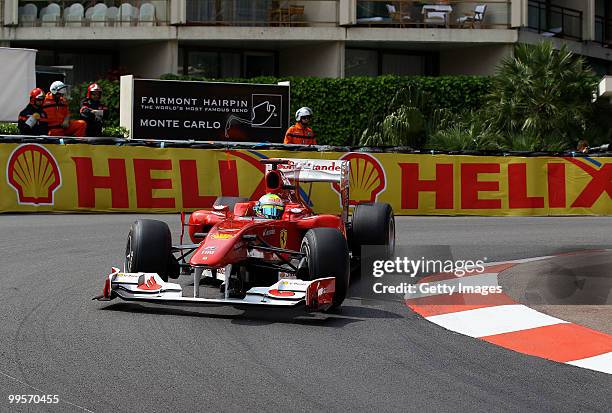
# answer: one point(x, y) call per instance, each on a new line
point(270, 206)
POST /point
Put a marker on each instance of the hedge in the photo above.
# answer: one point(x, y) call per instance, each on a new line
point(343, 107)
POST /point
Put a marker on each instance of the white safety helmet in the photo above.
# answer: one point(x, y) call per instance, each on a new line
point(302, 112)
point(58, 87)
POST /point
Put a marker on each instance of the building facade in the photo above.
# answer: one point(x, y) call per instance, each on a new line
point(85, 40)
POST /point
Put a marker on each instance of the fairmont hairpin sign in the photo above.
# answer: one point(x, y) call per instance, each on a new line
point(204, 111)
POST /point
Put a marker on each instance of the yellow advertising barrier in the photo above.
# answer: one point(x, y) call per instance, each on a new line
point(83, 178)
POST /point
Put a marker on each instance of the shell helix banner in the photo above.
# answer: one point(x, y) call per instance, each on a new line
point(69, 178)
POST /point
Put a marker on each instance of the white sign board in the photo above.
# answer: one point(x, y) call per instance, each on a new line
point(18, 78)
point(605, 87)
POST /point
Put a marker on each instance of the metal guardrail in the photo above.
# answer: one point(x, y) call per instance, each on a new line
point(275, 146)
point(274, 13)
point(554, 21)
point(434, 14)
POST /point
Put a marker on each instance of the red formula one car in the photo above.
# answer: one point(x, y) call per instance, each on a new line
point(299, 259)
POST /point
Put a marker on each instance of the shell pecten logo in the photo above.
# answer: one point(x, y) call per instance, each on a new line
point(34, 174)
point(366, 178)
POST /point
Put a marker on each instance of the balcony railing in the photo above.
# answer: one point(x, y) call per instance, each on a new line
point(603, 31)
point(441, 14)
point(93, 13)
point(554, 21)
point(287, 13)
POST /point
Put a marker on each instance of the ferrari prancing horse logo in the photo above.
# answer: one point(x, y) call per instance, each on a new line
point(283, 238)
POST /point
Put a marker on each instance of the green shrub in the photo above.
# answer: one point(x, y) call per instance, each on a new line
point(8, 128)
point(109, 131)
point(402, 124)
point(115, 132)
point(464, 131)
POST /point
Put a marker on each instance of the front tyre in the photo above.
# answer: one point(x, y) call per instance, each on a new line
point(149, 249)
point(327, 255)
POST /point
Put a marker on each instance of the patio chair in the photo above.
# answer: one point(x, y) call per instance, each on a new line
point(96, 15)
point(147, 15)
point(28, 15)
point(402, 17)
point(474, 18)
point(127, 14)
point(112, 16)
point(89, 12)
point(50, 15)
point(74, 14)
point(284, 14)
point(436, 15)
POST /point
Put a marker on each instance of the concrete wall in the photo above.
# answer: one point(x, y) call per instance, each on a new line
point(518, 10)
point(9, 12)
point(480, 60)
point(178, 12)
point(322, 60)
point(347, 12)
point(150, 60)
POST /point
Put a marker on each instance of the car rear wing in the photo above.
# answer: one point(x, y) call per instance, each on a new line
point(334, 171)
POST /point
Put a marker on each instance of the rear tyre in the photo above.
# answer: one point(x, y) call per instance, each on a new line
point(149, 249)
point(230, 201)
point(373, 224)
point(327, 255)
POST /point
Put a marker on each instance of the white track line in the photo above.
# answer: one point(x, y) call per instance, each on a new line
point(488, 321)
point(602, 363)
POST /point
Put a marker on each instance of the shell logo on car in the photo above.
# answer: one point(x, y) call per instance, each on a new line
point(34, 175)
point(220, 235)
point(367, 178)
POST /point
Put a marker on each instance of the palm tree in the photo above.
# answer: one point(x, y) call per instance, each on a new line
point(542, 93)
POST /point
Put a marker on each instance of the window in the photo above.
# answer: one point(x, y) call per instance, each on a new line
point(225, 64)
point(603, 22)
point(360, 62)
point(204, 64)
point(366, 62)
point(403, 65)
point(247, 12)
point(76, 66)
point(259, 64)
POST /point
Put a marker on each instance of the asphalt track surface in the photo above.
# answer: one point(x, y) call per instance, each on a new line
point(372, 356)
